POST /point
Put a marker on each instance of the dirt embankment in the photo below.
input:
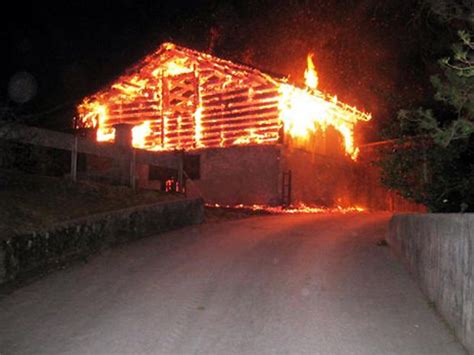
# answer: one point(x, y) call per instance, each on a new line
point(31, 202)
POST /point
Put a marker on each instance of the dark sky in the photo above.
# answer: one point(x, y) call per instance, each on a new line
point(370, 53)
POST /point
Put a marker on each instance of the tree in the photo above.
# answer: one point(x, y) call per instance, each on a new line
point(432, 160)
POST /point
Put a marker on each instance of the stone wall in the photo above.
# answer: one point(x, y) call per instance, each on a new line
point(439, 250)
point(29, 253)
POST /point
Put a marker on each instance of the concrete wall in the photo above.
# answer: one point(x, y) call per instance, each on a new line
point(253, 175)
point(439, 250)
point(241, 174)
point(27, 254)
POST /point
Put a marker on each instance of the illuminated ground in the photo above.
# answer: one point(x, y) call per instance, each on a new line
point(315, 284)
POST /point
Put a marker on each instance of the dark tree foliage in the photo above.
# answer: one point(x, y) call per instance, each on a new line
point(432, 161)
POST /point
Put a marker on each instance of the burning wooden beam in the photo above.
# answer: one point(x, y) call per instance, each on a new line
point(183, 99)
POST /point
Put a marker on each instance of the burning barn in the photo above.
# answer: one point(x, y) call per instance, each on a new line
point(248, 137)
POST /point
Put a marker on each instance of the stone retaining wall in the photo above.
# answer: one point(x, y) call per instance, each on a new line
point(439, 250)
point(28, 253)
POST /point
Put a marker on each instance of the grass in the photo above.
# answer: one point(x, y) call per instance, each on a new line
point(31, 202)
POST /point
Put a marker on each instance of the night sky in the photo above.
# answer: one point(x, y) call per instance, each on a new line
point(374, 54)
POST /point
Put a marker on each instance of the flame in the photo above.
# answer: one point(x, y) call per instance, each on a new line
point(105, 134)
point(198, 128)
point(140, 133)
point(252, 137)
point(177, 66)
point(169, 117)
point(296, 208)
point(94, 115)
point(304, 111)
point(310, 74)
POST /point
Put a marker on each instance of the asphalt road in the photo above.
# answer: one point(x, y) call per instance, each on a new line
point(316, 284)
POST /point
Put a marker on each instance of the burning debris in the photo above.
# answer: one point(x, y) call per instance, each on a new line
point(297, 208)
point(178, 98)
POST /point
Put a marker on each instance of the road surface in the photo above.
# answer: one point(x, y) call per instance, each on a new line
point(292, 284)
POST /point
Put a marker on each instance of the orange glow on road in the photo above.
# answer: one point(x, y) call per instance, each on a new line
point(297, 208)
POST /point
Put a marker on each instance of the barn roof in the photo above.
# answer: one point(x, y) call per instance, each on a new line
point(169, 52)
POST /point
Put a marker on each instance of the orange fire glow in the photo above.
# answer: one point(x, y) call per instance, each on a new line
point(182, 99)
point(310, 74)
point(297, 208)
point(303, 111)
point(139, 134)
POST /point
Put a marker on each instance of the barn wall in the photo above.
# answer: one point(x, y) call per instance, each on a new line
point(207, 105)
point(253, 175)
point(235, 175)
point(323, 175)
point(319, 179)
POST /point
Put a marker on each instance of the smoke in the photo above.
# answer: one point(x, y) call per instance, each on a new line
point(22, 87)
point(213, 39)
point(369, 53)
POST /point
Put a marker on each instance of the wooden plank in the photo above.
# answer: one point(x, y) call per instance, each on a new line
point(243, 130)
point(136, 109)
point(255, 119)
point(74, 159)
point(164, 107)
point(232, 137)
point(242, 106)
point(241, 127)
point(180, 171)
point(133, 104)
point(253, 112)
point(245, 125)
point(226, 95)
point(218, 95)
point(229, 142)
point(196, 106)
point(245, 87)
point(64, 141)
point(133, 168)
point(237, 99)
point(116, 118)
point(36, 136)
point(237, 71)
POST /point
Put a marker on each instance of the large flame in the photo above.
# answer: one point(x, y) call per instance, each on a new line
point(303, 111)
point(198, 128)
point(142, 98)
point(139, 134)
point(310, 74)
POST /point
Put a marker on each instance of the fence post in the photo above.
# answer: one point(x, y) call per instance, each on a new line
point(180, 170)
point(286, 188)
point(133, 165)
point(425, 165)
point(289, 187)
point(74, 159)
